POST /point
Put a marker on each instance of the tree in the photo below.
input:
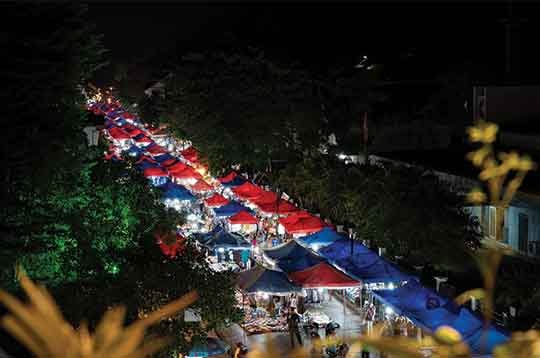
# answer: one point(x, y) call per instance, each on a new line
point(244, 108)
point(406, 211)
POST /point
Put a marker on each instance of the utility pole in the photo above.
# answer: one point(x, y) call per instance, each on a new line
point(365, 137)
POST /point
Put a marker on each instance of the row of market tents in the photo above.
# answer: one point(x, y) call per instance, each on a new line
point(318, 257)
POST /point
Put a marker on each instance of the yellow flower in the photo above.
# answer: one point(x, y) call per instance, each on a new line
point(510, 160)
point(477, 157)
point(483, 132)
point(526, 164)
point(476, 196)
point(492, 170)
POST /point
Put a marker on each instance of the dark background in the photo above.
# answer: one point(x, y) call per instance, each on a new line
point(421, 38)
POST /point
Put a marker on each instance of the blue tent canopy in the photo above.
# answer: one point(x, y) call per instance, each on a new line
point(209, 347)
point(230, 209)
point(284, 250)
point(134, 151)
point(227, 240)
point(293, 257)
point(109, 124)
point(321, 238)
point(429, 310)
point(421, 305)
point(115, 113)
point(203, 238)
point(299, 263)
point(364, 264)
point(178, 192)
point(238, 180)
point(163, 157)
point(260, 279)
point(145, 164)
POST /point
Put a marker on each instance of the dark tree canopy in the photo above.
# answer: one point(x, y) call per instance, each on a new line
point(244, 108)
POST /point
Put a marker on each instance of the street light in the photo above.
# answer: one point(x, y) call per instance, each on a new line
point(362, 63)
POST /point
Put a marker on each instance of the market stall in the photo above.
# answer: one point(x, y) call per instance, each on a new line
point(156, 175)
point(248, 191)
point(187, 176)
point(237, 181)
point(292, 257)
point(243, 222)
point(263, 299)
point(322, 275)
point(216, 200)
point(325, 237)
point(281, 207)
point(232, 208)
point(429, 310)
point(300, 223)
point(227, 247)
point(176, 196)
point(363, 264)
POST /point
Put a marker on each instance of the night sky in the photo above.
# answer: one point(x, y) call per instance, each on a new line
point(437, 35)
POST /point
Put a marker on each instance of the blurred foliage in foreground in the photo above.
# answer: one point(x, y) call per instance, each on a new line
point(40, 326)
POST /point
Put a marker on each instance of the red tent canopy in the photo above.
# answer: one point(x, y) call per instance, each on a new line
point(169, 162)
point(118, 133)
point(177, 167)
point(216, 200)
point(127, 115)
point(188, 172)
point(294, 217)
point(190, 154)
point(248, 191)
point(322, 276)
point(136, 132)
point(201, 185)
point(302, 223)
point(128, 127)
point(154, 172)
point(284, 207)
point(266, 197)
point(156, 150)
point(243, 217)
point(227, 178)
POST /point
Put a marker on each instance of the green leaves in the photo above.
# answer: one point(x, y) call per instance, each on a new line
point(244, 108)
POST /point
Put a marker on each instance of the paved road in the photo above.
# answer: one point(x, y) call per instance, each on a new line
point(348, 319)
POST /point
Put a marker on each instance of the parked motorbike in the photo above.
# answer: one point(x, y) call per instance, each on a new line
point(338, 351)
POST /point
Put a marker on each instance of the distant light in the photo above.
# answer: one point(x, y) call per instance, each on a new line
point(221, 249)
point(391, 286)
point(388, 311)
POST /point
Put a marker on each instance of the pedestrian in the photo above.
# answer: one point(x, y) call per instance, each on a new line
point(370, 317)
point(293, 302)
point(294, 330)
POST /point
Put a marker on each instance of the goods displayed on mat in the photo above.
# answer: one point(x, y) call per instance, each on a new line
point(258, 321)
point(225, 266)
point(317, 316)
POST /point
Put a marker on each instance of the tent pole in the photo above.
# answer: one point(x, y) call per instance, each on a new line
point(344, 315)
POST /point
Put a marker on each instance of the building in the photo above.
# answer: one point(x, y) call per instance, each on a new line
point(521, 229)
